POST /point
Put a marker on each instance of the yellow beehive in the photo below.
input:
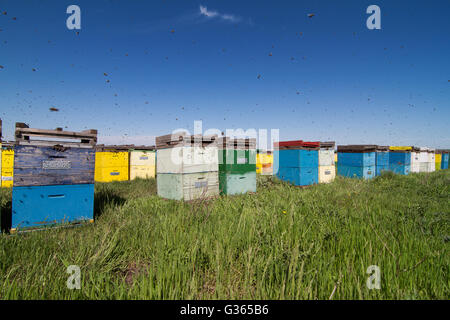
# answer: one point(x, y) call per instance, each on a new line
point(142, 164)
point(264, 163)
point(335, 157)
point(438, 160)
point(7, 170)
point(400, 148)
point(111, 166)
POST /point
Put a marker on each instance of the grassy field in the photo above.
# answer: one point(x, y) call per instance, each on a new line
point(282, 243)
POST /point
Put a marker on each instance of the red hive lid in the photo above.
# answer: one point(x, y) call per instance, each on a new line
point(298, 143)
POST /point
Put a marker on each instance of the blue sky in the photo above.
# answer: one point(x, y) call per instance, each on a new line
point(231, 64)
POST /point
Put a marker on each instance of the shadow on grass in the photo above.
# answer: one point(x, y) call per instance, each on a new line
point(6, 209)
point(106, 197)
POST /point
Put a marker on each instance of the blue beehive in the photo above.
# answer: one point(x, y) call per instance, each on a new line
point(382, 159)
point(444, 159)
point(297, 162)
point(357, 161)
point(400, 161)
point(54, 182)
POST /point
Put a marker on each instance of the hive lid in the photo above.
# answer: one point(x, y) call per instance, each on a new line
point(143, 148)
point(54, 137)
point(113, 148)
point(442, 151)
point(236, 143)
point(297, 144)
point(8, 144)
point(183, 139)
point(382, 148)
point(357, 148)
point(400, 148)
point(327, 144)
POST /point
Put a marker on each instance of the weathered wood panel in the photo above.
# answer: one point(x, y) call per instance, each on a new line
point(42, 166)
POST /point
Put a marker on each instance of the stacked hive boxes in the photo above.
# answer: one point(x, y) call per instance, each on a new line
point(7, 165)
point(423, 159)
point(415, 159)
point(400, 159)
point(357, 161)
point(111, 163)
point(444, 158)
point(264, 162)
point(53, 180)
point(381, 160)
point(438, 160)
point(298, 162)
point(187, 166)
point(142, 162)
point(237, 165)
point(327, 169)
point(431, 160)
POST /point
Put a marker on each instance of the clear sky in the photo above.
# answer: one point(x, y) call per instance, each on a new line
point(232, 64)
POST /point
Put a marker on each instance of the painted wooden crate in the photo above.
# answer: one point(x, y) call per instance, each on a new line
point(187, 186)
point(42, 206)
point(7, 165)
point(400, 161)
point(142, 164)
point(237, 165)
point(438, 160)
point(53, 181)
point(187, 166)
point(111, 165)
point(327, 174)
point(431, 160)
point(444, 160)
point(381, 160)
point(357, 161)
point(298, 162)
point(44, 166)
point(264, 163)
point(327, 170)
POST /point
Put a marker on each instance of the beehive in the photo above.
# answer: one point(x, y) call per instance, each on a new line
point(298, 162)
point(237, 165)
point(400, 159)
point(111, 163)
point(264, 162)
point(327, 169)
point(53, 180)
point(381, 160)
point(7, 165)
point(415, 161)
point(187, 166)
point(444, 158)
point(422, 156)
point(438, 160)
point(357, 161)
point(142, 163)
point(431, 160)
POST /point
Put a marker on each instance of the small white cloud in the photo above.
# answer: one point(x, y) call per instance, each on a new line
point(211, 14)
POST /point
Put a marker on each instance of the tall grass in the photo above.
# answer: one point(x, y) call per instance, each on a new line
point(282, 243)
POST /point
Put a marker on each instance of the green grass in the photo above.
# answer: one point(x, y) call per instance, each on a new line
point(282, 243)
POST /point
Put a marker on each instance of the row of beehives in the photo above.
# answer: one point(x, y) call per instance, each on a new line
point(306, 163)
point(54, 180)
point(119, 163)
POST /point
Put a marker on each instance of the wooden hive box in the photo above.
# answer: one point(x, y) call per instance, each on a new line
point(237, 165)
point(444, 158)
point(111, 163)
point(381, 160)
point(142, 162)
point(7, 164)
point(400, 159)
point(298, 162)
point(357, 161)
point(187, 166)
point(53, 179)
point(431, 159)
point(327, 169)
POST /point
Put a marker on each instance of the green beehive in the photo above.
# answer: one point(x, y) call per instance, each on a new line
point(237, 166)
